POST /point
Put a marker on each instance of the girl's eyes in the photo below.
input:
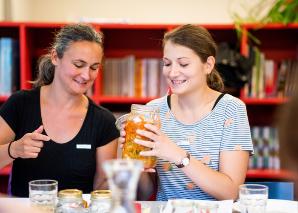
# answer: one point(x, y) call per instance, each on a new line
point(183, 65)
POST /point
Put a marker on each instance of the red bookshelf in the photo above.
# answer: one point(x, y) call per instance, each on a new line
point(144, 41)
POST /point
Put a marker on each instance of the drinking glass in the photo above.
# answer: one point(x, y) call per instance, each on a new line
point(43, 194)
point(253, 198)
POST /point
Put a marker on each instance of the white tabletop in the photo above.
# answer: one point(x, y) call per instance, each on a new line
point(16, 205)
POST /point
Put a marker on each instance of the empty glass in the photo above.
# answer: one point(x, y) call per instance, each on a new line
point(43, 194)
point(253, 198)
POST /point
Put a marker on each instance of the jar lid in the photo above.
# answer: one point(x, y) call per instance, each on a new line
point(98, 194)
point(70, 193)
point(148, 108)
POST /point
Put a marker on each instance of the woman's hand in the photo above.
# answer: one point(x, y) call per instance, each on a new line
point(161, 145)
point(29, 145)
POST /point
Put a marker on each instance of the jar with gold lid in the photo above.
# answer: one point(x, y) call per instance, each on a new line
point(70, 201)
point(136, 119)
point(100, 201)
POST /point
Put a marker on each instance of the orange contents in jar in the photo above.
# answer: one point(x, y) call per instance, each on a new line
point(131, 149)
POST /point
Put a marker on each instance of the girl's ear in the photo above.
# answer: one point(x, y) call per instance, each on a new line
point(209, 65)
point(54, 57)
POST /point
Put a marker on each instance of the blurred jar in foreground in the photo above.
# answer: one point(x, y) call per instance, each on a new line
point(136, 119)
point(100, 201)
point(70, 201)
point(182, 206)
point(210, 207)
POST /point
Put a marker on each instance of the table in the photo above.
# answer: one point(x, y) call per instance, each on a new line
point(16, 205)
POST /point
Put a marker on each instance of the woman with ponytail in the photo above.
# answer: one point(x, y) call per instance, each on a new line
point(204, 142)
point(54, 131)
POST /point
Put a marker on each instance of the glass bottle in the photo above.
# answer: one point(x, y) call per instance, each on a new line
point(136, 119)
point(100, 201)
point(70, 201)
point(123, 176)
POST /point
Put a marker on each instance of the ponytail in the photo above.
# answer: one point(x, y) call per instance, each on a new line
point(215, 81)
point(46, 71)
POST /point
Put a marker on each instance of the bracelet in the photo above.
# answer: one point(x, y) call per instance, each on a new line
point(8, 150)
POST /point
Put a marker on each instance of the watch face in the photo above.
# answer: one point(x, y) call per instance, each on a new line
point(185, 161)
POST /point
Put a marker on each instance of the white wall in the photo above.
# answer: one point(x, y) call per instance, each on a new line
point(134, 11)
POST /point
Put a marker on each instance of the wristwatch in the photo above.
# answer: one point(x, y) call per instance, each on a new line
point(184, 161)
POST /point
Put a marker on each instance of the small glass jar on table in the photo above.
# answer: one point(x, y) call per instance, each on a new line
point(71, 201)
point(136, 119)
point(100, 201)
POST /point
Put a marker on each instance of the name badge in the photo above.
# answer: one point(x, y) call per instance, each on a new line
point(83, 146)
point(183, 142)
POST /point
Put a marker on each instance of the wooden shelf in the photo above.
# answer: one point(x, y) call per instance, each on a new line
point(122, 100)
point(5, 171)
point(269, 174)
point(3, 98)
point(264, 101)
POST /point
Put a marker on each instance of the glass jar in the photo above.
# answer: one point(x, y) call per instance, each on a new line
point(100, 201)
point(136, 119)
point(70, 201)
point(182, 206)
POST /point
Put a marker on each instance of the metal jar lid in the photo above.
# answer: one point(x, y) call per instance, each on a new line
point(70, 193)
point(101, 194)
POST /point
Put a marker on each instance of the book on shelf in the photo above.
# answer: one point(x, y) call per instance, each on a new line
point(133, 77)
point(270, 78)
point(266, 148)
point(9, 63)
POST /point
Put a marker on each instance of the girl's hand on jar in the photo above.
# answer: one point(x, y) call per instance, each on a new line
point(161, 146)
point(121, 141)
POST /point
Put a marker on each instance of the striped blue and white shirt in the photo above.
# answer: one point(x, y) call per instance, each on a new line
point(226, 127)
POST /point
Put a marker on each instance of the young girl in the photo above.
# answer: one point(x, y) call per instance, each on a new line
point(204, 142)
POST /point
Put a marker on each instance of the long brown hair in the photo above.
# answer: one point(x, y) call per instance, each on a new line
point(63, 39)
point(201, 42)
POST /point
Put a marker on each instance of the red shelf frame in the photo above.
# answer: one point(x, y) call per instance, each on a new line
point(269, 174)
point(264, 101)
point(122, 100)
point(5, 171)
point(3, 98)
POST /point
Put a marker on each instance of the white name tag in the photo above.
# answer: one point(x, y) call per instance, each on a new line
point(184, 142)
point(83, 146)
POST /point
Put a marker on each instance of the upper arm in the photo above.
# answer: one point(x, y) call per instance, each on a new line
point(6, 133)
point(234, 164)
point(106, 152)
point(236, 144)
